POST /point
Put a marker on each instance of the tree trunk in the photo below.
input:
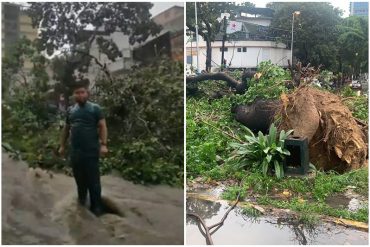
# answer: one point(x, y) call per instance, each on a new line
point(231, 82)
point(209, 55)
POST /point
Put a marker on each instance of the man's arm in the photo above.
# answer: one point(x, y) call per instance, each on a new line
point(103, 136)
point(63, 139)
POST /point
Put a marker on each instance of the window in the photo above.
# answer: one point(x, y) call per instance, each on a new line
point(239, 49)
point(225, 49)
point(244, 49)
point(189, 59)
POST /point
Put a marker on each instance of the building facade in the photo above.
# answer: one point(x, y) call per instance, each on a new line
point(243, 49)
point(15, 25)
point(9, 25)
point(171, 38)
point(359, 8)
point(170, 41)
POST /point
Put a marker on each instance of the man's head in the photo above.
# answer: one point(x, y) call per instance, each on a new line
point(80, 94)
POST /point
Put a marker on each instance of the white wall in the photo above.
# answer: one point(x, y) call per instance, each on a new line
point(124, 62)
point(258, 21)
point(256, 52)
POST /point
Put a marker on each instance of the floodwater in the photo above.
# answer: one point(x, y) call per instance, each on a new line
point(41, 208)
point(241, 229)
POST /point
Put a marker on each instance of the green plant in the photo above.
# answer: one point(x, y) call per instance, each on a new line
point(358, 105)
point(144, 113)
point(270, 85)
point(326, 77)
point(205, 149)
point(232, 192)
point(262, 151)
point(236, 74)
point(308, 219)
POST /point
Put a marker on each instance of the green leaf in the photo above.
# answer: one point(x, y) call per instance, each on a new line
point(235, 145)
point(261, 139)
point(312, 167)
point(272, 134)
point(265, 167)
point(278, 169)
point(268, 158)
point(282, 135)
point(249, 132)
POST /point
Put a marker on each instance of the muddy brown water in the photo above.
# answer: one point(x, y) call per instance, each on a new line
point(39, 208)
point(244, 230)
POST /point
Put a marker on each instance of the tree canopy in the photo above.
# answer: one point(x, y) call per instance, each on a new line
point(315, 33)
point(209, 22)
point(353, 41)
point(72, 27)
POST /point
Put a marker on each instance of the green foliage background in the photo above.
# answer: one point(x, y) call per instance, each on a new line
point(144, 111)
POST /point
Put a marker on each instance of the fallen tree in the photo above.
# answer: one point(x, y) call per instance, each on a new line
point(257, 116)
point(337, 139)
point(231, 82)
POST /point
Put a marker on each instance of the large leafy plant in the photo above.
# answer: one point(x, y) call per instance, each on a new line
point(262, 151)
point(270, 84)
point(144, 112)
point(357, 104)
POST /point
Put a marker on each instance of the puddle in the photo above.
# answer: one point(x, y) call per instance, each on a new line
point(242, 230)
point(338, 201)
point(350, 201)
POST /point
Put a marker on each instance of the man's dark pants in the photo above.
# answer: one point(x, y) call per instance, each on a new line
point(87, 176)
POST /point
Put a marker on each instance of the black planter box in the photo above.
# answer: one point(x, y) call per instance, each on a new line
point(298, 161)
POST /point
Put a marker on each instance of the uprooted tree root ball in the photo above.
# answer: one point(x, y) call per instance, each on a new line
point(336, 141)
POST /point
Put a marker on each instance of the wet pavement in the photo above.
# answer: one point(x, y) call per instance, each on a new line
point(39, 207)
point(241, 229)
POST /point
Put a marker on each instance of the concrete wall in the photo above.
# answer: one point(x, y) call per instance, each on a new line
point(249, 55)
point(258, 21)
point(121, 63)
point(170, 17)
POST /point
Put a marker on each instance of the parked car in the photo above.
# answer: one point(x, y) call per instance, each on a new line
point(356, 85)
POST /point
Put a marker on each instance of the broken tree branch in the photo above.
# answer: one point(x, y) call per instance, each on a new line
point(220, 130)
point(231, 82)
point(226, 214)
point(206, 229)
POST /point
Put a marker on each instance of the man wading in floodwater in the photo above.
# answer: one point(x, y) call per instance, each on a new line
point(86, 124)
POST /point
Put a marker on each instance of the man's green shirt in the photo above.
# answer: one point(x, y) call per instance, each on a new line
point(83, 121)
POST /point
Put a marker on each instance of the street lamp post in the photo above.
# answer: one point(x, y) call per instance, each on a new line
point(291, 46)
point(196, 36)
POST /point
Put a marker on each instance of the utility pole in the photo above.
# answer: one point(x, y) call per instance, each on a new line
point(291, 46)
point(191, 48)
point(196, 36)
point(223, 45)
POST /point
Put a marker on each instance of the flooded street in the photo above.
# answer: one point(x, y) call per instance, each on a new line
point(40, 208)
point(241, 229)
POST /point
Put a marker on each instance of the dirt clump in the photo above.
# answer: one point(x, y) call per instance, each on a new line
point(336, 141)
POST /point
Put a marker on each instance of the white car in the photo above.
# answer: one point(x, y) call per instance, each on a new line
point(356, 85)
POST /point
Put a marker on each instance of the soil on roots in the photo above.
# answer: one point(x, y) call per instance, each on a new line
point(336, 141)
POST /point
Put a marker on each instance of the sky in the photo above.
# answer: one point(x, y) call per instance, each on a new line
point(159, 7)
point(343, 5)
